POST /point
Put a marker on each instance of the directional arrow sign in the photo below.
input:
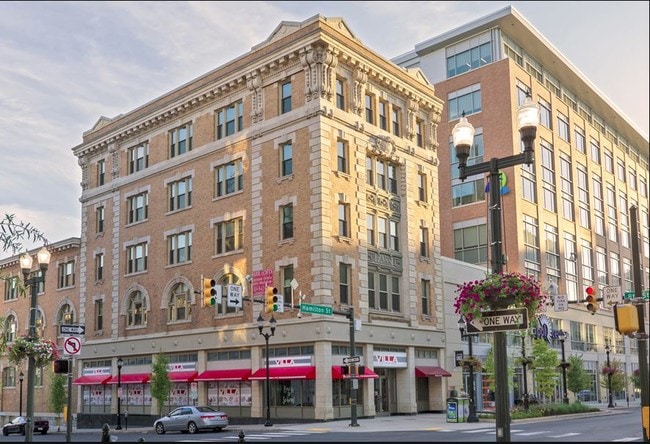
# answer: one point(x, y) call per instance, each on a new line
point(351, 359)
point(612, 295)
point(500, 320)
point(73, 329)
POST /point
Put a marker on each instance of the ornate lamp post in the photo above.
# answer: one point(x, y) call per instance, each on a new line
point(462, 326)
point(463, 139)
point(33, 282)
point(120, 363)
point(562, 335)
point(260, 325)
point(610, 403)
point(21, 377)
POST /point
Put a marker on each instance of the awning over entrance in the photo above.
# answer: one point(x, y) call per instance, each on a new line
point(367, 373)
point(187, 376)
point(297, 372)
point(238, 374)
point(426, 371)
point(92, 380)
point(131, 378)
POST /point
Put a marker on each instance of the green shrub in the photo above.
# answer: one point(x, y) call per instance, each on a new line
point(540, 410)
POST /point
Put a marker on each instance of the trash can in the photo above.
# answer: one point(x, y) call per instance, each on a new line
point(457, 409)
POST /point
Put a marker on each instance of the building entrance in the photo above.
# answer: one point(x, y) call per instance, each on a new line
point(385, 392)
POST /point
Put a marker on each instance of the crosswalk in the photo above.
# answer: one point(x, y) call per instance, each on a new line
point(523, 433)
point(252, 436)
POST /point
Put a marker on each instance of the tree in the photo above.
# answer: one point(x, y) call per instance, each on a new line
point(545, 365)
point(58, 397)
point(616, 370)
point(160, 383)
point(13, 232)
point(577, 377)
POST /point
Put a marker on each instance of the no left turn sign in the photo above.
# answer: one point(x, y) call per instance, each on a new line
point(72, 345)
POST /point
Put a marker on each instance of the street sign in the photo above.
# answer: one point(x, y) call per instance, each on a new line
point(612, 295)
point(316, 309)
point(631, 295)
point(234, 296)
point(73, 329)
point(351, 359)
point(561, 302)
point(500, 320)
point(261, 280)
point(71, 345)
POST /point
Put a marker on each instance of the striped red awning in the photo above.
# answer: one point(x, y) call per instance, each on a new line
point(131, 378)
point(92, 380)
point(185, 376)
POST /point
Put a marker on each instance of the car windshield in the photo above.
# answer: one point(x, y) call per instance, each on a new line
point(205, 409)
point(18, 420)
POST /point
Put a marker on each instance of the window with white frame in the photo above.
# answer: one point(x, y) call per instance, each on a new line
point(595, 151)
point(137, 207)
point(383, 292)
point(532, 262)
point(179, 247)
point(566, 185)
point(65, 315)
point(99, 314)
point(11, 327)
point(580, 141)
point(66, 274)
point(345, 282)
point(586, 256)
point(179, 194)
point(136, 312)
point(601, 265)
point(461, 59)
point(424, 242)
point(528, 183)
point(340, 93)
point(11, 288)
point(344, 219)
point(229, 178)
point(370, 109)
point(180, 140)
point(563, 127)
point(465, 101)
point(342, 156)
point(422, 187)
point(285, 97)
point(286, 159)
point(425, 288)
point(584, 208)
point(473, 188)
point(552, 250)
point(99, 267)
point(620, 170)
point(419, 133)
point(548, 176)
point(138, 157)
point(99, 219)
point(286, 276)
point(101, 172)
point(599, 206)
point(179, 308)
point(382, 111)
point(545, 114)
point(136, 258)
point(286, 222)
point(229, 235)
point(470, 243)
point(230, 119)
point(615, 268)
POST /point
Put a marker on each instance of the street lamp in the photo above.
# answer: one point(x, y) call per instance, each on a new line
point(260, 325)
point(609, 379)
point(463, 139)
point(26, 261)
point(462, 326)
point(562, 335)
point(525, 361)
point(120, 363)
point(21, 377)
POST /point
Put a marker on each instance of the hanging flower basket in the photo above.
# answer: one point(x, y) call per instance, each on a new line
point(608, 370)
point(471, 362)
point(499, 291)
point(43, 351)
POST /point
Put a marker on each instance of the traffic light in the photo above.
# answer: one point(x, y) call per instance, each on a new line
point(209, 292)
point(271, 300)
point(61, 366)
point(626, 318)
point(591, 300)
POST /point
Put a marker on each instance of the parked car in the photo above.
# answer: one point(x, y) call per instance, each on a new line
point(191, 419)
point(584, 395)
point(18, 424)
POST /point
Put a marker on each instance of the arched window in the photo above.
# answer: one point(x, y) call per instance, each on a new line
point(11, 327)
point(226, 280)
point(66, 315)
point(137, 310)
point(40, 323)
point(179, 304)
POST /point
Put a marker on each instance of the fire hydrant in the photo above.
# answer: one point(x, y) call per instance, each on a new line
point(106, 433)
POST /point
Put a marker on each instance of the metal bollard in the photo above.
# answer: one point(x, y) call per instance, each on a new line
point(106, 433)
point(242, 435)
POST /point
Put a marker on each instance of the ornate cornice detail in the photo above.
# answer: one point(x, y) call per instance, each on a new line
point(319, 62)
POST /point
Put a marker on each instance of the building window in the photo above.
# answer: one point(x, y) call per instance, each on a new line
point(595, 151)
point(615, 268)
point(138, 157)
point(643, 187)
point(383, 292)
point(344, 220)
point(563, 127)
point(612, 215)
point(180, 194)
point(473, 189)
point(286, 276)
point(285, 100)
point(179, 304)
point(99, 315)
point(99, 218)
point(395, 112)
point(531, 245)
point(584, 212)
point(286, 159)
point(66, 274)
point(470, 244)
point(466, 60)
point(340, 94)
point(424, 242)
point(136, 313)
point(345, 281)
point(548, 177)
point(138, 207)
point(229, 178)
point(11, 326)
point(136, 258)
point(370, 109)
point(381, 173)
point(179, 247)
point(11, 288)
point(99, 267)
point(620, 170)
point(286, 213)
point(229, 236)
point(382, 232)
point(230, 120)
point(419, 133)
point(426, 291)
point(566, 184)
point(383, 115)
point(9, 377)
point(370, 171)
point(394, 235)
point(370, 229)
point(422, 187)
point(631, 179)
point(580, 140)
point(601, 265)
point(587, 261)
point(227, 279)
point(66, 315)
point(545, 114)
point(552, 251)
point(101, 172)
point(467, 100)
point(180, 140)
point(528, 183)
point(599, 206)
point(342, 156)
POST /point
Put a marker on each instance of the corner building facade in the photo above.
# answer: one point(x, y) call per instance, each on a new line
point(308, 164)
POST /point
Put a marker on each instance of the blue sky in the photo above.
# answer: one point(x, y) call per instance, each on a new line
point(65, 64)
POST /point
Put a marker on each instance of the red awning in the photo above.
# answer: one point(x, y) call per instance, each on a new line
point(239, 374)
point(297, 372)
point(426, 371)
point(92, 380)
point(131, 378)
point(187, 376)
point(367, 373)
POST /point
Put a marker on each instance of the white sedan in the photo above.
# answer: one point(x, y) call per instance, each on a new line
point(191, 419)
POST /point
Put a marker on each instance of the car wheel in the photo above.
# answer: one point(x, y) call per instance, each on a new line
point(22, 430)
point(5, 432)
point(218, 429)
point(192, 428)
point(43, 432)
point(160, 429)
